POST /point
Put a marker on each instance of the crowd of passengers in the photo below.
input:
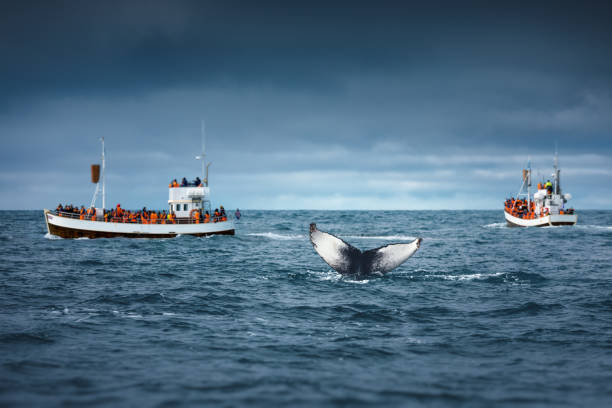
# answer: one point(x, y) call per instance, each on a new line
point(143, 216)
point(521, 208)
point(526, 210)
point(184, 183)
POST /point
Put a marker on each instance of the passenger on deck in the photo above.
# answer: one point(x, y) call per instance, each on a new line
point(197, 182)
point(548, 186)
point(184, 182)
point(206, 217)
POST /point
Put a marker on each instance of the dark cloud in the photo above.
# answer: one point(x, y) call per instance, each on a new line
point(119, 47)
point(351, 88)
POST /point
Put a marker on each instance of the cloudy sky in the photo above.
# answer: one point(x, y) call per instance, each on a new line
point(311, 105)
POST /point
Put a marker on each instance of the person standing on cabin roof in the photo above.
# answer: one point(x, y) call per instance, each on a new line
point(548, 186)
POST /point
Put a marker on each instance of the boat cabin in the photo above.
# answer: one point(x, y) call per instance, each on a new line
point(183, 200)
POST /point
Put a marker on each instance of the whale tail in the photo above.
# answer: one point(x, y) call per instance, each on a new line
point(349, 260)
point(390, 256)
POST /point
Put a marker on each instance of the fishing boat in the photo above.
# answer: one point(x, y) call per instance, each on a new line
point(546, 207)
point(188, 205)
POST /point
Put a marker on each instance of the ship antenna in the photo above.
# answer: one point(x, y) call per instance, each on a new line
point(202, 156)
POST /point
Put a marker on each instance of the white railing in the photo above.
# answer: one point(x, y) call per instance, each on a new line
point(136, 219)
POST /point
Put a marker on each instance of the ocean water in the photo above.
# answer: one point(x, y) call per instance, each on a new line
point(482, 315)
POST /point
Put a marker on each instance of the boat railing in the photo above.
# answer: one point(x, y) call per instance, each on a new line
point(137, 219)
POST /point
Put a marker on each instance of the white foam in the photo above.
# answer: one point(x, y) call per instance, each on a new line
point(168, 314)
point(52, 237)
point(357, 282)
point(468, 277)
point(334, 276)
point(472, 276)
point(383, 237)
point(279, 237)
point(496, 225)
point(594, 227)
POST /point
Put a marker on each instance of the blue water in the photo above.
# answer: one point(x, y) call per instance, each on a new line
point(482, 315)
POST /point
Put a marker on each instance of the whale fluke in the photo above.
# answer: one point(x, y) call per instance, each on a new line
point(348, 260)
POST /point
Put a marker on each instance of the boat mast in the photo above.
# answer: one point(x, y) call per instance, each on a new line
point(204, 178)
point(95, 196)
point(528, 182)
point(202, 156)
point(103, 177)
point(557, 172)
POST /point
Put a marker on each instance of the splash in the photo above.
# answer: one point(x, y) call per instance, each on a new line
point(52, 237)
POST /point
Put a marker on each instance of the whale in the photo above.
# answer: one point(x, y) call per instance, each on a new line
point(348, 260)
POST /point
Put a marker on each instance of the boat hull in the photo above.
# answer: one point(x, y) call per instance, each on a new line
point(75, 228)
point(547, 221)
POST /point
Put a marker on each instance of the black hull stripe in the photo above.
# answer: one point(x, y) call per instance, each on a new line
point(555, 224)
point(78, 233)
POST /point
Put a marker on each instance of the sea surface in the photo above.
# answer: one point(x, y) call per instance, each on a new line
point(482, 315)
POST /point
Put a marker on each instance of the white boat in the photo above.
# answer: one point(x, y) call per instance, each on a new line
point(185, 203)
point(546, 207)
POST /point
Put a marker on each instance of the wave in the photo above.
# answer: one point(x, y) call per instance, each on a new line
point(496, 225)
point(497, 277)
point(383, 237)
point(52, 237)
point(529, 308)
point(333, 276)
point(279, 237)
point(594, 227)
point(464, 277)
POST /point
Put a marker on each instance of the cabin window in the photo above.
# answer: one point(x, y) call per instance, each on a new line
point(171, 209)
